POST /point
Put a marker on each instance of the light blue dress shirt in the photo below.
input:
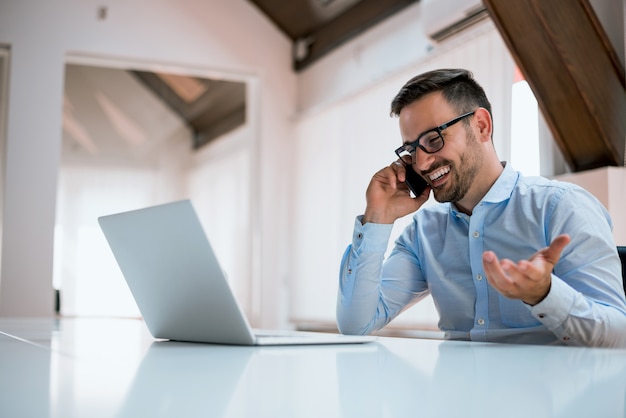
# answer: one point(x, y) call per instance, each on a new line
point(440, 253)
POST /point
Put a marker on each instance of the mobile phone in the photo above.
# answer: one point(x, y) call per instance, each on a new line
point(414, 181)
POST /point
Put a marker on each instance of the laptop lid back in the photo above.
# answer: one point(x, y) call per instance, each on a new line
point(174, 275)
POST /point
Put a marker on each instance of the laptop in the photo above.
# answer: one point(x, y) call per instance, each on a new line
point(179, 286)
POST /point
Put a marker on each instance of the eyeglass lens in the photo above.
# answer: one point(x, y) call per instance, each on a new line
point(430, 143)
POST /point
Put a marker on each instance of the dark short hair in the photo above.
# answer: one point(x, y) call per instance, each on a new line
point(456, 85)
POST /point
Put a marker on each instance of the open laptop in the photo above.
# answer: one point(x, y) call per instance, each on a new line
point(178, 284)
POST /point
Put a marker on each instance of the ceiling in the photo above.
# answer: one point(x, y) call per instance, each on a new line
point(211, 108)
point(318, 26)
point(110, 113)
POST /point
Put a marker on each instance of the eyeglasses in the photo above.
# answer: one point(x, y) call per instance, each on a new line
point(430, 141)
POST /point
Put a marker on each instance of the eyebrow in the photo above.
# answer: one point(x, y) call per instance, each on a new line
point(421, 135)
point(439, 128)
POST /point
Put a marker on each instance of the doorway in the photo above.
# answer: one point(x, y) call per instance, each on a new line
point(136, 135)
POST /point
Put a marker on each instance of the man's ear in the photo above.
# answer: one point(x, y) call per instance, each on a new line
point(484, 123)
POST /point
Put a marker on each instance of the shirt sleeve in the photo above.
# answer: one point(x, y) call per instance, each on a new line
point(367, 301)
point(577, 320)
point(585, 305)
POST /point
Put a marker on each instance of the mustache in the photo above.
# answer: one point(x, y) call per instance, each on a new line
point(436, 166)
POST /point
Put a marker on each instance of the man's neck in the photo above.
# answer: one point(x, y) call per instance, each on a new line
point(484, 184)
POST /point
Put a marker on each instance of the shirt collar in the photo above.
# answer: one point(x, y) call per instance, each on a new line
point(501, 189)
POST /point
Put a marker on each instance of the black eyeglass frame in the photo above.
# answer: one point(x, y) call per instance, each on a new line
point(411, 146)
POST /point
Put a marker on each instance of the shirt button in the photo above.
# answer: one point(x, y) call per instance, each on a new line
point(566, 338)
point(541, 315)
point(360, 236)
point(476, 234)
point(481, 321)
point(479, 277)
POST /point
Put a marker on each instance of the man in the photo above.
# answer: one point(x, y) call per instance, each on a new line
point(505, 257)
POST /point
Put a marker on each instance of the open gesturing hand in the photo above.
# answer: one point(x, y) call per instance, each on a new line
point(528, 280)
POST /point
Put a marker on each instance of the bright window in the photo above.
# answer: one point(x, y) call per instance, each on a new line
point(524, 130)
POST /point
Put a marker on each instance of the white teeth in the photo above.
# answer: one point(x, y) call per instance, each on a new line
point(439, 173)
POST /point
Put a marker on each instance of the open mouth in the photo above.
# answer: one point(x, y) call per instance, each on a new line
point(438, 175)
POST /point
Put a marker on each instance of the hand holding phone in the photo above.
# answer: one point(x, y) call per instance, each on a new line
point(414, 181)
point(385, 204)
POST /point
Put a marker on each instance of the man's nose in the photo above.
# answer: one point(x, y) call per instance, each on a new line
point(423, 161)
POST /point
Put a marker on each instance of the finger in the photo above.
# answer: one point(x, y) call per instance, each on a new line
point(493, 269)
point(550, 254)
point(386, 177)
point(531, 271)
point(505, 277)
point(554, 250)
point(399, 169)
point(531, 283)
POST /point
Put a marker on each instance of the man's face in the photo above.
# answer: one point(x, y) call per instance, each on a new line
point(452, 170)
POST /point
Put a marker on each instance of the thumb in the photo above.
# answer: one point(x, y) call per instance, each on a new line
point(553, 252)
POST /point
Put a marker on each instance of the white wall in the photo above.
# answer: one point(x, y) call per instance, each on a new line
point(207, 36)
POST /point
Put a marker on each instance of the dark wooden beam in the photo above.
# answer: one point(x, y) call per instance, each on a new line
point(355, 20)
point(574, 72)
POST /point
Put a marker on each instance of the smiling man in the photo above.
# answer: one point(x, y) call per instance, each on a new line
point(505, 257)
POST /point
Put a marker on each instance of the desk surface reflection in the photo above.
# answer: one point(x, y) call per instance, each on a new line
point(113, 368)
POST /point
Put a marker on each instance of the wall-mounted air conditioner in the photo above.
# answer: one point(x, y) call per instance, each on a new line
point(446, 18)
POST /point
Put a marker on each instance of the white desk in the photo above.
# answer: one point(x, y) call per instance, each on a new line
point(113, 368)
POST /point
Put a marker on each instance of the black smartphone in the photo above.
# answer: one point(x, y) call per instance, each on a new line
point(414, 181)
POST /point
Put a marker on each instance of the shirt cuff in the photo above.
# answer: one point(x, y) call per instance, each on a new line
point(555, 308)
point(370, 237)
